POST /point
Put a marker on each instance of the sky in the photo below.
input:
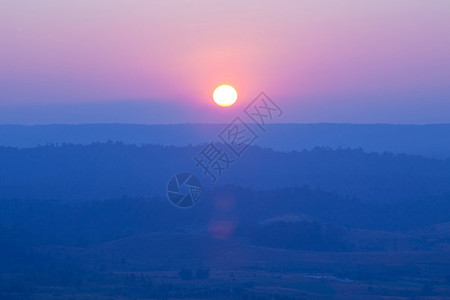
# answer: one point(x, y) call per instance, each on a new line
point(158, 61)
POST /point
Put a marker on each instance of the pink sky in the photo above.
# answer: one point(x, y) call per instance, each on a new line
point(322, 61)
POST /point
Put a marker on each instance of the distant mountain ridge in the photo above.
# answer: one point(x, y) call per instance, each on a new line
point(426, 140)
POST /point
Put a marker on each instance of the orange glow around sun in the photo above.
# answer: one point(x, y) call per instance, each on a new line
point(225, 95)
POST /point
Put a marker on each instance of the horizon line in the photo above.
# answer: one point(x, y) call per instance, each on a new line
point(209, 124)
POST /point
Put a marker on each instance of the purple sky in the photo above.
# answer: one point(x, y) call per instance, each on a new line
point(148, 61)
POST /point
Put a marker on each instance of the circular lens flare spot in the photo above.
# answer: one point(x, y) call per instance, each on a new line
point(225, 95)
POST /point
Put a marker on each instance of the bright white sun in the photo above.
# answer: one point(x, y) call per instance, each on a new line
point(225, 95)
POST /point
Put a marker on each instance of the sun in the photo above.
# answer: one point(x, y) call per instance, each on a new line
point(225, 95)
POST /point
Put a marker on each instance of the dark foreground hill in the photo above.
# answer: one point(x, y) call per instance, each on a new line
point(298, 218)
point(236, 243)
point(427, 140)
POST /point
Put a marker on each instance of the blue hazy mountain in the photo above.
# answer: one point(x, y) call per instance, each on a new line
point(86, 213)
point(427, 140)
point(114, 169)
